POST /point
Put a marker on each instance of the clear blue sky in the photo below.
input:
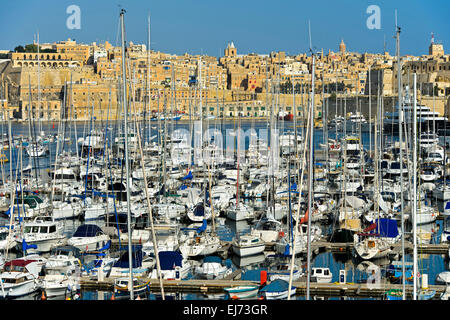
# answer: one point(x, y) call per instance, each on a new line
point(206, 26)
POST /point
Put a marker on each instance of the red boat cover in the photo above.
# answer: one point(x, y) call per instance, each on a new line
point(19, 262)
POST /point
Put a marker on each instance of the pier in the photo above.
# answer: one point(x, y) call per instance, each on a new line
point(335, 289)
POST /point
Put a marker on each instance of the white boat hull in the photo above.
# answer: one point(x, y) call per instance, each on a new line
point(278, 295)
point(17, 290)
point(248, 251)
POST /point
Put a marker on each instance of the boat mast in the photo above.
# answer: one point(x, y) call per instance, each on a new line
point(414, 210)
point(125, 112)
point(400, 132)
point(310, 168)
point(370, 117)
point(148, 85)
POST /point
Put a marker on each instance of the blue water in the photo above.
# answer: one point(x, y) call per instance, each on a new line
point(430, 264)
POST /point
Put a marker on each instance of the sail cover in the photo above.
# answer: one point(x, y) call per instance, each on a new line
point(387, 228)
point(169, 259)
point(137, 256)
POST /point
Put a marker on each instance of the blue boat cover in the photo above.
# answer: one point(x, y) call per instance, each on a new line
point(87, 230)
point(188, 176)
point(169, 259)
point(26, 246)
point(136, 255)
point(387, 228)
point(252, 275)
point(199, 210)
point(276, 286)
point(202, 227)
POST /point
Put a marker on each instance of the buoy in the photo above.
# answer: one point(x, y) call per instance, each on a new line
point(234, 298)
point(43, 297)
point(112, 297)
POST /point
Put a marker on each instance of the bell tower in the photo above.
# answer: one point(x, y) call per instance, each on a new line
point(230, 50)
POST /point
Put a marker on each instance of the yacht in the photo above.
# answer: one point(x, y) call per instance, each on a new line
point(172, 266)
point(89, 237)
point(19, 277)
point(426, 118)
point(247, 245)
point(42, 234)
point(63, 260)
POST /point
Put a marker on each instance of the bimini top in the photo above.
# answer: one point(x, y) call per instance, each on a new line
point(87, 230)
point(19, 262)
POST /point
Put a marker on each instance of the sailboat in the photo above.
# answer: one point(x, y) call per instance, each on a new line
point(376, 240)
point(200, 244)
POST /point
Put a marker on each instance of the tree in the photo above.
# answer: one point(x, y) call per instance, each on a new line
point(19, 49)
point(31, 48)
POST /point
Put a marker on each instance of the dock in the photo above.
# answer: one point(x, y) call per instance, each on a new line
point(335, 289)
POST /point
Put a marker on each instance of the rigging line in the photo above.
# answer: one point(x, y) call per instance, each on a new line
point(155, 245)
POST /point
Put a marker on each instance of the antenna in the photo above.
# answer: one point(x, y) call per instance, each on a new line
point(309, 31)
point(395, 13)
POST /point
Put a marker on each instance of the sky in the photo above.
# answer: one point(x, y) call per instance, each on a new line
point(207, 26)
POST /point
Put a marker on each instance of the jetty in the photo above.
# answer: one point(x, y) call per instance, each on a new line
point(335, 289)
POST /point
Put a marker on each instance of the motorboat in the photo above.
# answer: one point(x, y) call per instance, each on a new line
point(239, 212)
point(89, 237)
point(247, 245)
point(63, 260)
point(57, 285)
point(172, 266)
point(321, 275)
point(212, 267)
point(41, 234)
point(19, 278)
point(277, 289)
point(242, 292)
point(122, 287)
